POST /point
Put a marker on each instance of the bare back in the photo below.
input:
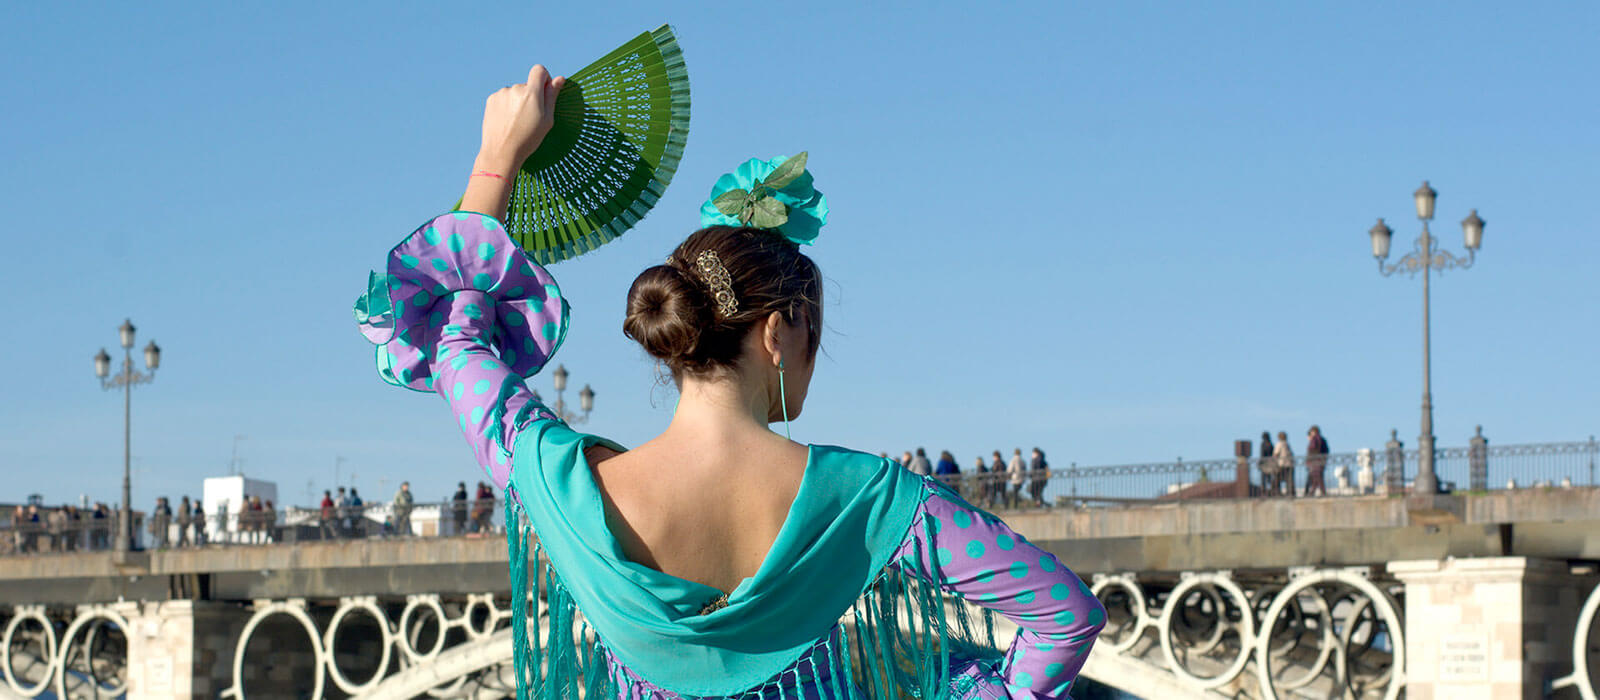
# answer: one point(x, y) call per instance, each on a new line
point(704, 515)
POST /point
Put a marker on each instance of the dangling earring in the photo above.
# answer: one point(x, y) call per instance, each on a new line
point(783, 400)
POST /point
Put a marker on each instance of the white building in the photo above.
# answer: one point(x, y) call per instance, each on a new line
point(224, 497)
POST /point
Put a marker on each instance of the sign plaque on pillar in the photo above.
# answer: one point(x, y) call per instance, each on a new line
point(1464, 657)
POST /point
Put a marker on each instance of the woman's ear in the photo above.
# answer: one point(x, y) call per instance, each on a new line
point(770, 337)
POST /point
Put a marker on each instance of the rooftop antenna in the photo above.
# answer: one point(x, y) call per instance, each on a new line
point(233, 462)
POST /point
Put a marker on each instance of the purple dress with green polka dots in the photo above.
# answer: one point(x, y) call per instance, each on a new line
point(470, 317)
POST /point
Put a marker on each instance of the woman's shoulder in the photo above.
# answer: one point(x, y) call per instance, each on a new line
point(844, 458)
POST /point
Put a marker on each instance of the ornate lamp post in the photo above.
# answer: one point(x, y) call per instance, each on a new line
point(1426, 258)
point(125, 379)
point(585, 398)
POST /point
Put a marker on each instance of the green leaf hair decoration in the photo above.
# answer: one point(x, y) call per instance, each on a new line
point(619, 131)
point(778, 194)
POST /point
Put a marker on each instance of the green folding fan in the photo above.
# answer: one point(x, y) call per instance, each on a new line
point(619, 131)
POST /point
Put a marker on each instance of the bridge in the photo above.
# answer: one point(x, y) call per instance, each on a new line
point(1376, 592)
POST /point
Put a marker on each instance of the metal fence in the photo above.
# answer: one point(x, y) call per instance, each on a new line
point(1386, 471)
point(1389, 470)
point(54, 532)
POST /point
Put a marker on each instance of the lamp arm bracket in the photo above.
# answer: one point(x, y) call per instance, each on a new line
point(1410, 264)
point(1445, 260)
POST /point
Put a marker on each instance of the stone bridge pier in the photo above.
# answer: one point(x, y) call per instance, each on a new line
point(1497, 627)
point(180, 648)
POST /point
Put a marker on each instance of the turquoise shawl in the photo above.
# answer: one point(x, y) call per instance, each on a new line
point(852, 512)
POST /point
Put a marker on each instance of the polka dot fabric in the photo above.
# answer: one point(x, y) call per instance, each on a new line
point(491, 403)
point(456, 253)
point(976, 556)
point(471, 317)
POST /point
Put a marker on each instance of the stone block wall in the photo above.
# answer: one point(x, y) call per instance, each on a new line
point(1490, 627)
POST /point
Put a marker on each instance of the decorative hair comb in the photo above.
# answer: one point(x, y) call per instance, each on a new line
point(716, 277)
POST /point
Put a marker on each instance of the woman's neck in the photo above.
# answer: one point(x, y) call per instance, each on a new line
point(723, 408)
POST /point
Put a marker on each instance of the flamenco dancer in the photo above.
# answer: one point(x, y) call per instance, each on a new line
point(719, 558)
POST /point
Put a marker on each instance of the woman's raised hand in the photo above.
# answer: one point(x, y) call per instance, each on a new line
point(516, 119)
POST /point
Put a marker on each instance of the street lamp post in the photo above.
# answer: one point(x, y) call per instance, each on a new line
point(585, 398)
point(125, 380)
point(1426, 258)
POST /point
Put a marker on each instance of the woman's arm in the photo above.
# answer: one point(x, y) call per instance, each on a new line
point(979, 558)
point(515, 121)
point(491, 403)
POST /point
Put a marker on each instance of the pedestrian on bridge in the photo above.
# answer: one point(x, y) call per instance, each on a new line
point(100, 528)
point(947, 470)
point(402, 509)
point(1017, 470)
point(458, 508)
point(717, 558)
point(1316, 461)
point(979, 489)
point(919, 463)
point(160, 522)
point(329, 517)
point(1269, 467)
point(184, 518)
point(1283, 457)
point(997, 482)
point(199, 524)
point(483, 509)
point(346, 513)
point(358, 514)
point(1038, 477)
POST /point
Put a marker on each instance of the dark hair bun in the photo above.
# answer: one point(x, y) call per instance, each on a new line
point(666, 314)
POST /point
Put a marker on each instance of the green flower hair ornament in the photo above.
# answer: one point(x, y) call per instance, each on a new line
point(772, 194)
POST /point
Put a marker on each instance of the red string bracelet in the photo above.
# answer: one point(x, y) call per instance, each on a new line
point(485, 173)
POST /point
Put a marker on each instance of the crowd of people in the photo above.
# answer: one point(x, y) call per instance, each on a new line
point(341, 514)
point(190, 520)
point(65, 529)
point(1276, 462)
point(992, 483)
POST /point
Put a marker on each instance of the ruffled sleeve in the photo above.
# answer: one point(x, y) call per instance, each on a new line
point(461, 310)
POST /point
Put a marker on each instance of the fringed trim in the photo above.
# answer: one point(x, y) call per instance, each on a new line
point(560, 657)
point(903, 638)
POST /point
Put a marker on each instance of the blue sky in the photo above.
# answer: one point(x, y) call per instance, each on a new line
point(1122, 233)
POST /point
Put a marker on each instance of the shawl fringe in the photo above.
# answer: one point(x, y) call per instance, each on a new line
point(904, 637)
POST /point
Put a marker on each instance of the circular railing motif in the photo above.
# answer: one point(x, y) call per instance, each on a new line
point(1198, 611)
point(1127, 614)
point(1585, 646)
point(1307, 633)
point(347, 606)
point(296, 609)
point(1339, 625)
point(80, 661)
point(45, 637)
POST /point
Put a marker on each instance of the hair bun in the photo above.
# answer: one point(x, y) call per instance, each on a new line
point(666, 314)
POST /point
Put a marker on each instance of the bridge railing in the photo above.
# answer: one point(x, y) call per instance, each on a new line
point(54, 532)
point(1478, 467)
